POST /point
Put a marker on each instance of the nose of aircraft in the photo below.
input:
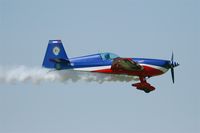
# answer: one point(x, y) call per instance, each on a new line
point(173, 64)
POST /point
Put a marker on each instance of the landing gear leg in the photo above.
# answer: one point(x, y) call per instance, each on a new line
point(143, 85)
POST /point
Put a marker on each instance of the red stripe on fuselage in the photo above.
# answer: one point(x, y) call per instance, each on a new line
point(147, 71)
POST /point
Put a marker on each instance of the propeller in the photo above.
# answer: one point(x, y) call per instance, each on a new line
point(172, 65)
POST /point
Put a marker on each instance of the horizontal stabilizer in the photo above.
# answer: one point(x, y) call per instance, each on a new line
point(60, 60)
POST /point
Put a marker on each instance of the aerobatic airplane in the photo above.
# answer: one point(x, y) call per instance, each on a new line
point(109, 63)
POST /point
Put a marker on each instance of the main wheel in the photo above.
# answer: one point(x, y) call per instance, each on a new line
point(147, 91)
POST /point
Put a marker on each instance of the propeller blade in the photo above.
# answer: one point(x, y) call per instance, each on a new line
point(172, 58)
point(172, 73)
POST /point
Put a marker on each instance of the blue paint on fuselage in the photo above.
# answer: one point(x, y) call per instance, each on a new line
point(155, 62)
point(95, 60)
point(89, 61)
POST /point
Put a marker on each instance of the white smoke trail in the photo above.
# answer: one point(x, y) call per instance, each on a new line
point(21, 74)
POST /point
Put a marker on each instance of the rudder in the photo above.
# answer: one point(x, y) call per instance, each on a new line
point(55, 56)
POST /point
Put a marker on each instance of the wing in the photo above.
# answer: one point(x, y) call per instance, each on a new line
point(125, 64)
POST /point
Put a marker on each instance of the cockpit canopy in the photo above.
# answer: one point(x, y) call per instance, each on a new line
point(108, 56)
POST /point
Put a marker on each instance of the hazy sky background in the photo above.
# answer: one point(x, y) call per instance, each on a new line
point(130, 28)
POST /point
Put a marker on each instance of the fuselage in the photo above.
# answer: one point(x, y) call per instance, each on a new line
point(100, 63)
point(56, 58)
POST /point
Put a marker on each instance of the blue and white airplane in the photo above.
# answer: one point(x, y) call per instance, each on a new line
point(56, 58)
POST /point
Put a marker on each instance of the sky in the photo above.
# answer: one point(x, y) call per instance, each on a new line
point(129, 28)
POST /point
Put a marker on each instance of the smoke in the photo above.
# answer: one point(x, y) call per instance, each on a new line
point(36, 75)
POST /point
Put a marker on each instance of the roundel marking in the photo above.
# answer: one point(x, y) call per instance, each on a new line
point(56, 50)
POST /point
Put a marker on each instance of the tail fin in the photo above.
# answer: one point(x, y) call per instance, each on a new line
point(55, 56)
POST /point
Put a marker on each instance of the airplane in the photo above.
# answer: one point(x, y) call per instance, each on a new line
point(109, 63)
